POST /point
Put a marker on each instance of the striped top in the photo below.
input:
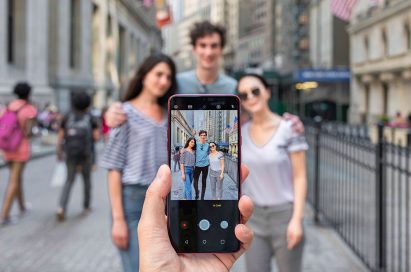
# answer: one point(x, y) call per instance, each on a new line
point(137, 148)
point(188, 158)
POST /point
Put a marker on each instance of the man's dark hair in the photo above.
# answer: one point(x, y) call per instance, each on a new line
point(201, 132)
point(205, 28)
point(80, 100)
point(22, 90)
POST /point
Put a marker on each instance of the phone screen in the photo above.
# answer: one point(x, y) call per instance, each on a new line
point(204, 148)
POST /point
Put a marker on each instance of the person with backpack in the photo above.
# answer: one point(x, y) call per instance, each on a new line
point(16, 124)
point(78, 132)
point(176, 158)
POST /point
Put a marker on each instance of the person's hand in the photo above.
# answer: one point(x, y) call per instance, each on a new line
point(115, 116)
point(156, 251)
point(294, 233)
point(119, 234)
point(183, 177)
point(221, 176)
point(297, 125)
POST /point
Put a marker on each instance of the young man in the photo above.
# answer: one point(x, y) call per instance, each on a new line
point(208, 41)
point(202, 163)
point(78, 132)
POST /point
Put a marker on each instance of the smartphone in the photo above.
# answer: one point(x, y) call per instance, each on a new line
point(202, 207)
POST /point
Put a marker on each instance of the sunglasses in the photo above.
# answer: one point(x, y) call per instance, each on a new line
point(244, 96)
point(211, 145)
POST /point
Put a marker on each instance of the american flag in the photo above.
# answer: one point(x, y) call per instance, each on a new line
point(342, 8)
point(235, 122)
point(227, 129)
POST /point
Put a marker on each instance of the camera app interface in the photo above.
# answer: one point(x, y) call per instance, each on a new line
point(204, 157)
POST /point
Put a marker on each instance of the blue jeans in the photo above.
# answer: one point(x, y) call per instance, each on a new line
point(133, 199)
point(188, 171)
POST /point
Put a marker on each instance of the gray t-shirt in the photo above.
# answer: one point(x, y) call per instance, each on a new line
point(188, 83)
point(215, 161)
point(270, 181)
point(188, 158)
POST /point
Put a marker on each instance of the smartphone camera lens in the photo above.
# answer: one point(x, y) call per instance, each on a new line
point(218, 107)
point(175, 107)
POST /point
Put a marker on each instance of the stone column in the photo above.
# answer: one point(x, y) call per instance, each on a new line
point(37, 66)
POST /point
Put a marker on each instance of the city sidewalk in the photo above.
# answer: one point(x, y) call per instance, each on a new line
point(82, 243)
point(230, 190)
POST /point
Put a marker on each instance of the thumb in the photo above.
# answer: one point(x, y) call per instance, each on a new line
point(154, 203)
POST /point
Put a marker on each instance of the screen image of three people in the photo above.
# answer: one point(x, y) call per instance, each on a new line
point(199, 157)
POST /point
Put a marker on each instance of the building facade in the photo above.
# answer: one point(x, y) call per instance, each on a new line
point(67, 45)
point(380, 61)
point(328, 58)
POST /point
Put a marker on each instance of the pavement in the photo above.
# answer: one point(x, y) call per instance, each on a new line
point(230, 190)
point(37, 242)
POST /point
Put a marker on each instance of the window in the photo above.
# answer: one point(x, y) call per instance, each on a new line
point(366, 47)
point(407, 35)
point(10, 31)
point(385, 98)
point(75, 32)
point(367, 101)
point(384, 43)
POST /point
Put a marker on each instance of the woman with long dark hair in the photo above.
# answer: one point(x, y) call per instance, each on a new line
point(187, 163)
point(136, 150)
point(17, 159)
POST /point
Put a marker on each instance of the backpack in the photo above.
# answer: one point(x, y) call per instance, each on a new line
point(11, 134)
point(78, 137)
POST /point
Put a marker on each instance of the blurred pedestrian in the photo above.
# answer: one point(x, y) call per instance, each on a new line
point(136, 150)
point(21, 115)
point(76, 137)
point(216, 171)
point(176, 158)
point(187, 161)
point(399, 121)
point(277, 183)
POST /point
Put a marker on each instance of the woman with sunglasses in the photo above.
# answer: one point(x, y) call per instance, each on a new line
point(187, 162)
point(216, 171)
point(277, 182)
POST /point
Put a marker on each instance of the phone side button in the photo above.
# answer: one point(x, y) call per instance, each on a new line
point(204, 224)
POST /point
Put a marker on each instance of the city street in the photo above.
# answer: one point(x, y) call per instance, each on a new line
point(230, 190)
point(82, 243)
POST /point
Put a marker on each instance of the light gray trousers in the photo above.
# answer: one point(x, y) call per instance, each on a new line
point(216, 185)
point(270, 239)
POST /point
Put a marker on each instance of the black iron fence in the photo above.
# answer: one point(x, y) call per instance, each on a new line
point(362, 188)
